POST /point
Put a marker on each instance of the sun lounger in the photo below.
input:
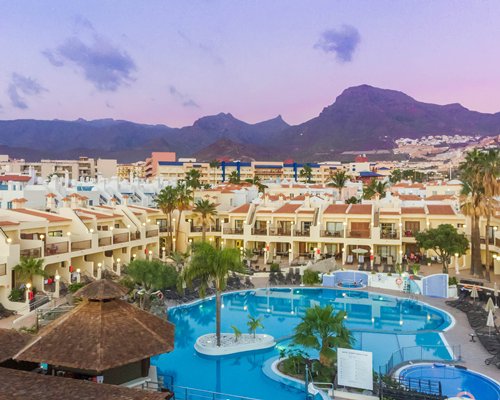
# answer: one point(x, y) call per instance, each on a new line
point(350, 259)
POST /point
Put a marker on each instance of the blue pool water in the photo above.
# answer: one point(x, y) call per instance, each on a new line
point(455, 381)
point(381, 324)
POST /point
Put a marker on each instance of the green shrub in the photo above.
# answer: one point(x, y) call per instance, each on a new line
point(17, 295)
point(310, 277)
point(452, 281)
point(415, 268)
point(275, 267)
point(73, 287)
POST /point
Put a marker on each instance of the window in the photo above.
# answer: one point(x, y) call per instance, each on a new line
point(306, 226)
point(55, 233)
point(9, 205)
point(334, 226)
point(238, 223)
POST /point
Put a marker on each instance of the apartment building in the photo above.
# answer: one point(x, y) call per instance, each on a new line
point(131, 171)
point(152, 163)
point(83, 168)
point(77, 239)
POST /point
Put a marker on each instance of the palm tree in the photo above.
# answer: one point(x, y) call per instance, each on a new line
point(257, 182)
point(324, 330)
point(166, 201)
point(396, 175)
point(193, 177)
point(29, 267)
point(472, 203)
point(306, 173)
point(215, 165)
point(338, 181)
point(253, 324)
point(375, 187)
point(234, 178)
point(207, 211)
point(184, 199)
point(208, 265)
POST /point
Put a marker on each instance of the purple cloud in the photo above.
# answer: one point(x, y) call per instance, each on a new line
point(20, 87)
point(341, 42)
point(182, 98)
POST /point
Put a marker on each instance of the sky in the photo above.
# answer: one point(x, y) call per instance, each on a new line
point(172, 62)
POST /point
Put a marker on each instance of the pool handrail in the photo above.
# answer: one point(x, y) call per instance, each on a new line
point(400, 357)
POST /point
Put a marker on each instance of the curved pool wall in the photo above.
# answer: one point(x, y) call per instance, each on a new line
point(337, 278)
point(374, 320)
point(455, 380)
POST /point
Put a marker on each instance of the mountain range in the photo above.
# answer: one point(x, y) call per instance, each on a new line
point(362, 118)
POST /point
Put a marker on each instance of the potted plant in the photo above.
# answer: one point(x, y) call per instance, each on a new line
point(452, 286)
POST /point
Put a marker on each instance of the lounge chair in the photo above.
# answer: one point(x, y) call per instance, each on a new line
point(350, 259)
point(377, 261)
point(277, 260)
point(361, 259)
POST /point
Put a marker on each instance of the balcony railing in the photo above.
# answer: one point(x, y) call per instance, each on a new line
point(280, 232)
point(81, 245)
point(152, 233)
point(233, 231)
point(56, 248)
point(105, 241)
point(197, 229)
point(490, 240)
point(135, 235)
point(259, 231)
point(410, 233)
point(302, 233)
point(123, 237)
point(389, 235)
point(165, 229)
point(359, 234)
point(3, 269)
point(335, 234)
point(31, 253)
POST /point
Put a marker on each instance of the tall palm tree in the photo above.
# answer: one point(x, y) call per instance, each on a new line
point(193, 177)
point(183, 201)
point(373, 188)
point(234, 178)
point(207, 211)
point(338, 180)
point(257, 182)
point(472, 203)
point(306, 173)
point(28, 268)
point(324, 330)
point(208, 265)
point(166, 201)
point(215, 165)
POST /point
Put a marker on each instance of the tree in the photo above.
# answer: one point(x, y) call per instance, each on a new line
point(208, 265)
point(192, 179)
point(373, 188)
point(324, 330)
point(396, 176)
point(215, 165)
point(445, 241)
point(338, 180)
point(234, 178)
point(253, 324)
point(352, 200)
point(306, 173)
point(257, 182)
point(184, 198)
point(166, 201)
point(151, 276)
point(207, 211)
point(28, 268)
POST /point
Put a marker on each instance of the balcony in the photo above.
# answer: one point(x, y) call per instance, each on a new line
point(259, 231)
point(152, 233)
point(359, 234)
point(332, 234)
point(165, 229)
point(81, 245)
point(389, 235)
point(52, 249)
point(135, 235)
point(31, 253)
point(490, 240)
point(410, 233)
point(280, 232)
point(197, 229)
point(302, 233)
point(233, 231)
point(105, 241)
point(122, 237)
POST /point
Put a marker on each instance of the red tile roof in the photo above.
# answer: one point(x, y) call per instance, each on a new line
point(8, 223)
point(389, 212)
point(440, 197)
point(243, 209)
point(147, 209)
point(440, 210)
point(94, 213)
point(288, 208)
point(409, 197)
point(412, 210)
point(360, 209)
point(48, 216)
point(336, 209)
point(306, 211)
point(15, 178)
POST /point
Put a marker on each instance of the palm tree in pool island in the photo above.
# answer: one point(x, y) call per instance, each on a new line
point(324, 330)
point(208, 265)
point(253, 324)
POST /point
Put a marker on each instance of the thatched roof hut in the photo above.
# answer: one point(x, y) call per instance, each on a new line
point(11, 341)
point(101, 334)
point(21, 385)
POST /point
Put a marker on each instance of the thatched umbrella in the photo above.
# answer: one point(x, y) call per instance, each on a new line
point(102, 333)
point(490, 322)
point(474, 293)
point(489, 305)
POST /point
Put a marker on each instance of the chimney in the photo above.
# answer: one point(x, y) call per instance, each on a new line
point(66, 202)
point(19, 203)
point(125, 199)
point(50, 201)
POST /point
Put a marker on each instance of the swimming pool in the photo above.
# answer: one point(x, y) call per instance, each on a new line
point(455, 382)
point(381, 324)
